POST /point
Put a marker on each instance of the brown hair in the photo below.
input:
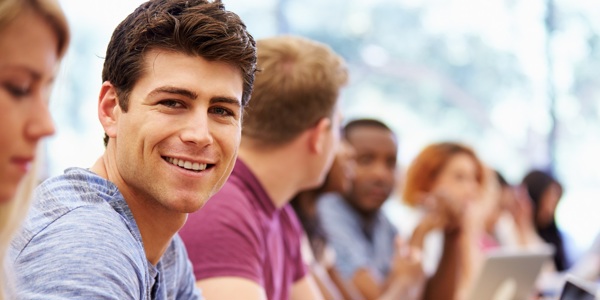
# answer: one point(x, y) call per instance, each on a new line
point(298, 84)
point(193, 27)
point(424, 169)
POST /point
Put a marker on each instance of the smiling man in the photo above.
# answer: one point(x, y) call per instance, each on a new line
point(176, 78)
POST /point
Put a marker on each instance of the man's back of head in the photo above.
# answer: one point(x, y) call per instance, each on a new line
point(297, 85)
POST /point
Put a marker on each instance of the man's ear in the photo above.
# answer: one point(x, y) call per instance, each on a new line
point(318, 135)
point(109, 109)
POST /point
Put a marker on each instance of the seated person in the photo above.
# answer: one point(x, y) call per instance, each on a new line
point(367, 252)
point(176, 76)
point(545, 193)
point(510, 221)
point(450, 177)
point(317, 252)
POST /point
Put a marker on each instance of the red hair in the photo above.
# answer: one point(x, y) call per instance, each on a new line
point(423, 171)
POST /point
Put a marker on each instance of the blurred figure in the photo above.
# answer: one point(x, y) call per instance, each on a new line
point(318, 254)
point(545, 193)
point(510, 221)
point(33, 37)
point(447, 181)
point(366, 243)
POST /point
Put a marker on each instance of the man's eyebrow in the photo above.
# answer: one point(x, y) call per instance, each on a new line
point(225, 99)
point(174, 90)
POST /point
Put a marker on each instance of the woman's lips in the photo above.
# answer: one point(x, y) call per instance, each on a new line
point(22, 163)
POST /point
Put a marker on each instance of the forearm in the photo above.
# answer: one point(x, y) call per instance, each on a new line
point(444, 283)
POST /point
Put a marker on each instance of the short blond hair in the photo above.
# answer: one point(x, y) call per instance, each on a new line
point(298, 84)
point(13, 212)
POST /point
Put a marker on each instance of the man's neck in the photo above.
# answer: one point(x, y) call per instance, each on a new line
point(156, 224)
point(276, 171)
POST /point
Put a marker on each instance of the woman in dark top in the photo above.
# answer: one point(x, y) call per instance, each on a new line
point(545, 193)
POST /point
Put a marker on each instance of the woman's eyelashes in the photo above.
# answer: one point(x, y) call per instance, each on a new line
point(17, 90)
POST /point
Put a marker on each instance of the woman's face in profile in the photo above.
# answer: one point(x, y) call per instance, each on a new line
point(28, 61)
point(548, 204)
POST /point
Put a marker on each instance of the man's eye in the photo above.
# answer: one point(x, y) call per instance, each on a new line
point(170, 103)
point(221, 111)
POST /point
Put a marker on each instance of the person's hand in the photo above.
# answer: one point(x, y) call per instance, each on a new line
point(406, 271)
point(443, 211)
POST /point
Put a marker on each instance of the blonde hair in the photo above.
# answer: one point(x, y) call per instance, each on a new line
point(13, 212)
point(298, 84)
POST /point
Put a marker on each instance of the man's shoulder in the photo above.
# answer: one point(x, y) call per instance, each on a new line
point(76, 187)
point(77, 198)
point(85, 244)
point(94, 228)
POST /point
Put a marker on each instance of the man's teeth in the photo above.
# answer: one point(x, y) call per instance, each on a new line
point(187, 164)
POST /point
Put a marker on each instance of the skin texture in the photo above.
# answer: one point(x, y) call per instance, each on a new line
point(458, 180)
point(28, 63)
point(341, 174)
point(182, 107)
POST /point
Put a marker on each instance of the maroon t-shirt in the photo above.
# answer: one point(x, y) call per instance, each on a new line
point(241, 233)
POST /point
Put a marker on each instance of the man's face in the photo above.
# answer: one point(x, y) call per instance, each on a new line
point(376, 151)
point(177, 143)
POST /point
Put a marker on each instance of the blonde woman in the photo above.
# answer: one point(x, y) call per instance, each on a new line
point(33, 37)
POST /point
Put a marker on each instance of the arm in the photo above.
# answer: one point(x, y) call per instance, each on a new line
point(445, 280)
point(217, 288)
point(353, 254)
point(325, 283)
point(405, 281)
point(348, 291)
point(306, 289)
point(455, 264)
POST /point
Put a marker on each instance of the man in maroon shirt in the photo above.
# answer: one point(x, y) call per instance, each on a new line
point(245, 242)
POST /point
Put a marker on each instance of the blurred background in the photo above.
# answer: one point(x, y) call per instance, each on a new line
point(519, 81)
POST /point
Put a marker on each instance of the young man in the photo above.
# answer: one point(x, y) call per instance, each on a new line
point(245, 244)
point(176, 76)
point(365, 241)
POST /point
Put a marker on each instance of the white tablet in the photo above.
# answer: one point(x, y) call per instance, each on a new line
point(510, 274)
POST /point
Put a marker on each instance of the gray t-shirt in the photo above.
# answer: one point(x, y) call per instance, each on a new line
point(80, 241)
point(356, 243)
